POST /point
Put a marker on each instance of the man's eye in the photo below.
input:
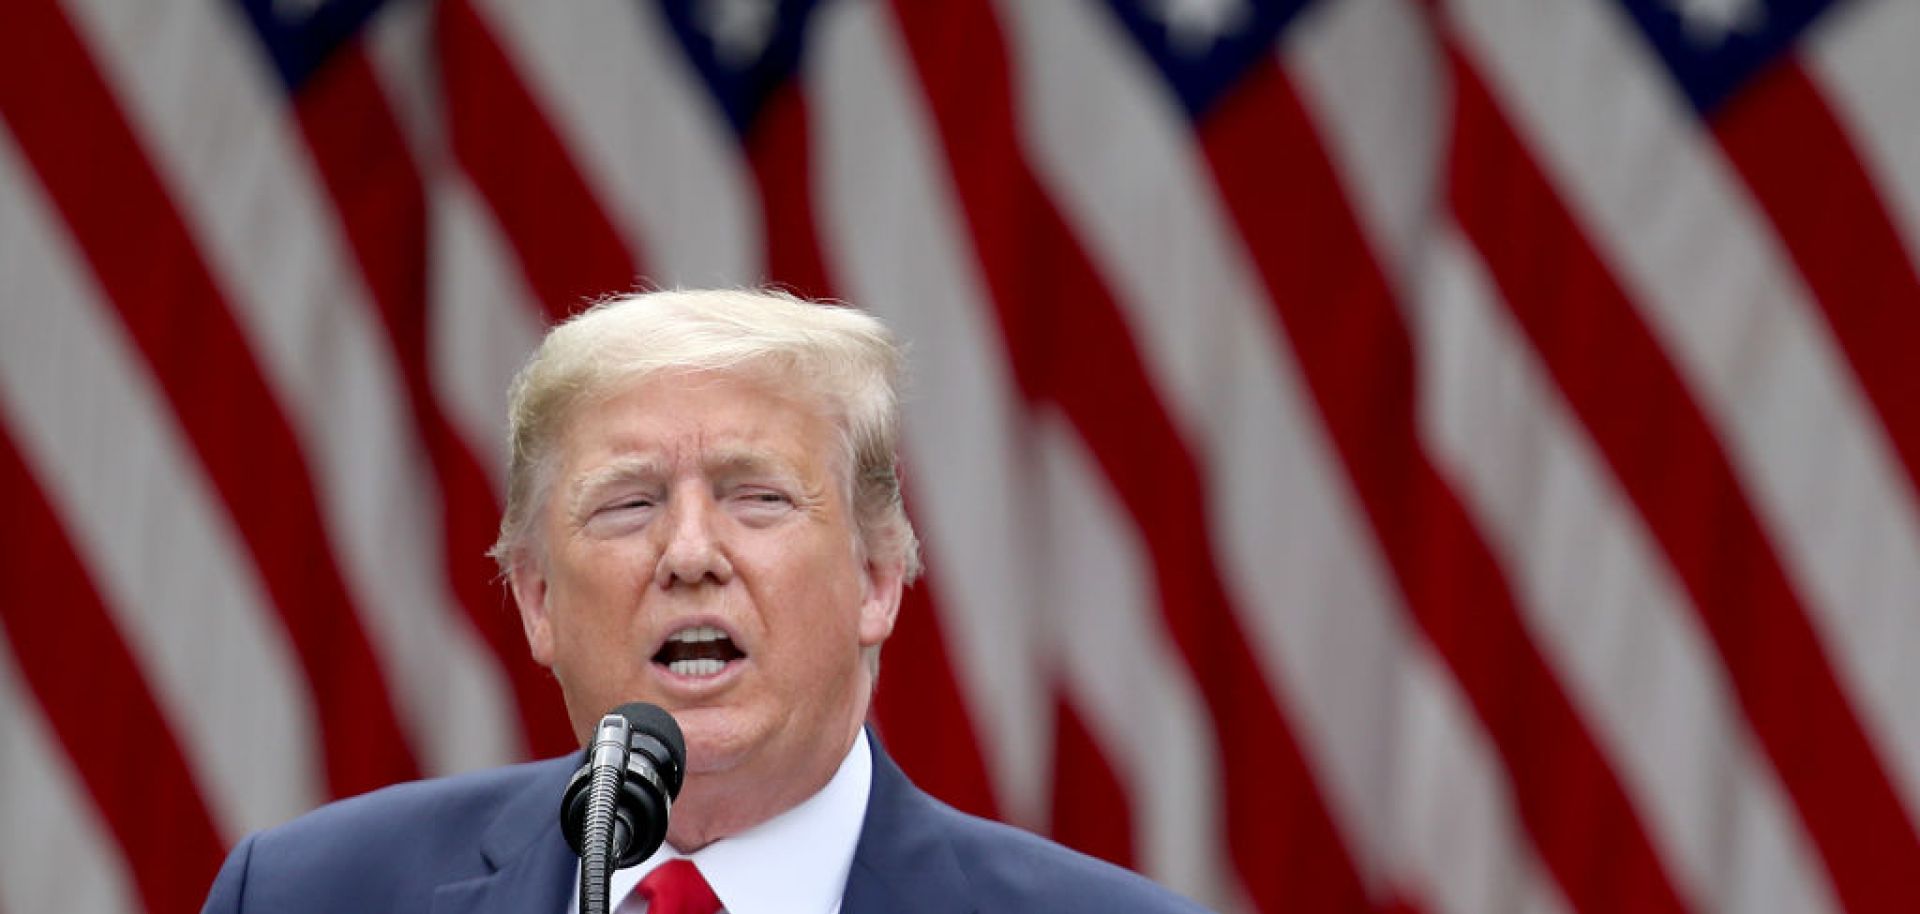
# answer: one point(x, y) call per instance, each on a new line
point(629, 504)
point(761, 497)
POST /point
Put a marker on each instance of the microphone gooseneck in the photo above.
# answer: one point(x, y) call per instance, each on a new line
point(606, 760)
point(614, 811)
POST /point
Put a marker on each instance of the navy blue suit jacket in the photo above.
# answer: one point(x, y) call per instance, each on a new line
point(489, 843)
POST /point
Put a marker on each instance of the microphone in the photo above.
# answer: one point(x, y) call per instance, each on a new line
point(614, 811)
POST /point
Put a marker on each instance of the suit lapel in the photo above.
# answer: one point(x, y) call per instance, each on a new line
point(903, 863)
point(530, 869)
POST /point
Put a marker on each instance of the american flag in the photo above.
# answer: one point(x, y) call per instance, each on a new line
point(1373, 455)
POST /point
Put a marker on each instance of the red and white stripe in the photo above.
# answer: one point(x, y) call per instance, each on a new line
point(1450, 474)
point(615, 86)
point(50, 826)
point(291, 280)
point(165, 594)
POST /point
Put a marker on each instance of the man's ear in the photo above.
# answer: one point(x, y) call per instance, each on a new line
point(528, 579)
point(886, 580)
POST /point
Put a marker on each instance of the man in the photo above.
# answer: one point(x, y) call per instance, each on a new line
point(704, 513)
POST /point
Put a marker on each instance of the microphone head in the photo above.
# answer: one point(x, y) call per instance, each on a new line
point(642, 789)
point(668, 748)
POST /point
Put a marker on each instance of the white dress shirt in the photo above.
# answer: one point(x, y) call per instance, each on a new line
point(793, 863)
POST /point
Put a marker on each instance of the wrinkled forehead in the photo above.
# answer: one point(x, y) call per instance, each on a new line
point(661, 466)
point(717, 423)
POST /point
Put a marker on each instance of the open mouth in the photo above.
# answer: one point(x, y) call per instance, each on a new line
point(698, 652)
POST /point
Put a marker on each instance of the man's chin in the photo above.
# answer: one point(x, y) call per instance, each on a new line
point(718, 740)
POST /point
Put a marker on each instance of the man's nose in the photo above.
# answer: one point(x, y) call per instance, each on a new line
point(694, 553)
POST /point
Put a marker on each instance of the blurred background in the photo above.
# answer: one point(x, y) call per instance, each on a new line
point(1373, 455)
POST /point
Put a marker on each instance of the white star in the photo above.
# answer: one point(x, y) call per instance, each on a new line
point(296, 10)
point(740, 29)
point(1194, 25)
point(1708, 22)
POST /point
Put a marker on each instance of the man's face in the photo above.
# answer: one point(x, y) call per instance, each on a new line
point(697, 550)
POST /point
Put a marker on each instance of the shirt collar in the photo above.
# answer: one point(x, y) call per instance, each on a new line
point(796, 861)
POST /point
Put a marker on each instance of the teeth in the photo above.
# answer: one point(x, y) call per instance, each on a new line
point(705, 666)
point(698, 634)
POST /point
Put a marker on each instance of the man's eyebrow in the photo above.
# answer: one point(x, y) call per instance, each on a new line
point(623, 469)
point(742, 462)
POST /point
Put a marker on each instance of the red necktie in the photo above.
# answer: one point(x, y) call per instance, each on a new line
point(676, 887)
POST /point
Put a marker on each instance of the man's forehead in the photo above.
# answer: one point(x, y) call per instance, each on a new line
point(714, 423)
point(720, 460)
